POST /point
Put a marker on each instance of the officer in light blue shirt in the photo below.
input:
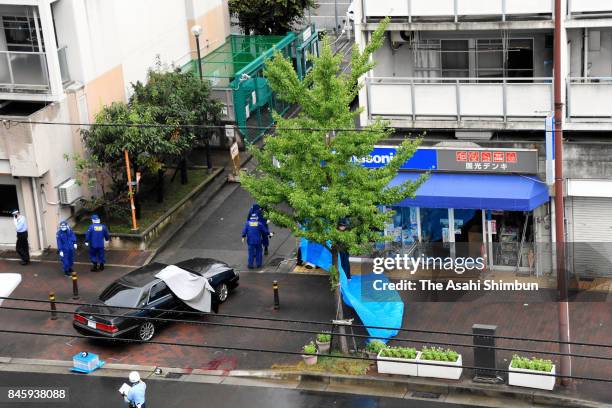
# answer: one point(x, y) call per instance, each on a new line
point(136, 395)
point(22, 246)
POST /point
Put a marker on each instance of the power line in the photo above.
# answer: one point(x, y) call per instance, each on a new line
point(295, 353)
point(300, 331)
point(319, 323)
point(8, 122)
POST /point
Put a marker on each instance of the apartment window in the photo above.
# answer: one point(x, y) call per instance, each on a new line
point(21, 33)
point(490, 58)
point(496, 61)
point(520, 58)
point(9, 202)
point(455, 58)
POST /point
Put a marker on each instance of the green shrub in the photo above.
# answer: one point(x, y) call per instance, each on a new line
point(439, 354)
point(399, 352)
point(375, 346)
point(324, 337)
point(536, 364)
point(309, 348)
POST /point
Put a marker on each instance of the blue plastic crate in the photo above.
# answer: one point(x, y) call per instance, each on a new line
point(86, 363)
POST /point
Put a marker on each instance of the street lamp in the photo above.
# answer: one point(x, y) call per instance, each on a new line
point(196, 30)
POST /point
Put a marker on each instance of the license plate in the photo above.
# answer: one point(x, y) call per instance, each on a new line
point(91, 324)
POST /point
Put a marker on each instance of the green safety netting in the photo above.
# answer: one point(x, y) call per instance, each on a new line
point(235, 70)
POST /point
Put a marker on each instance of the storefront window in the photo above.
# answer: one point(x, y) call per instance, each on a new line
point(435, 232)
point(468, 232)
point(512, 237)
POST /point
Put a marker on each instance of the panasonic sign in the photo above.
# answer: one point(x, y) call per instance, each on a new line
point(423, 159)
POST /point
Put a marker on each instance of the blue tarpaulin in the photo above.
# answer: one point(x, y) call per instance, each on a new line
point(381, 309)
point(507, 192)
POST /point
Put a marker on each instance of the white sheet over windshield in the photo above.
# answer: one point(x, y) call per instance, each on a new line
point(192, 289)
point(8, 283)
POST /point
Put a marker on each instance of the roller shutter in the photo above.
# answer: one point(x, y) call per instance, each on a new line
point(592, 236)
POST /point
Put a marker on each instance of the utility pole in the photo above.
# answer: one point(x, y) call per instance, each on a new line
point(562, 273)
point(129, 177)
point(196, 31)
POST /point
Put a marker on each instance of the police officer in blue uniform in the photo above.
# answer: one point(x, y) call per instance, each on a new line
point(254, 231)
point(94, 239)
point(258, 211)
point(66, 245)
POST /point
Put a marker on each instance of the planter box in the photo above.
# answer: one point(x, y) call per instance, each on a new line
point(444, 369)
point(522, 377)
point(309, 359)
point(394, 365)
point(323, 347)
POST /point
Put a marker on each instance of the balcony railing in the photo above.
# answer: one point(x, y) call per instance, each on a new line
point(455, 9)
point(589, 7)
point(589, 98)
point(458, 98)
point(24, 72)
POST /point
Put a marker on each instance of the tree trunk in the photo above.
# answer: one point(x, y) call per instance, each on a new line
point(183, 166)
point(160, 186)
point(339, 304)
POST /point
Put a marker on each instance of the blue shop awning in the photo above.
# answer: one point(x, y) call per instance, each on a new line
point(476, 191)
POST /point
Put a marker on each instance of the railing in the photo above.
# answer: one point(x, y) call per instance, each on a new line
point(589, 97)
point(24, 72)
point(63, 63)
point(456, 98)
point(589, 6)
point(455, 8)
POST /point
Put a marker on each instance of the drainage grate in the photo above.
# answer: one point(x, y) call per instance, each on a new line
point(586, 279)
point(174, 375)
point(275, 262)
point(427, 395)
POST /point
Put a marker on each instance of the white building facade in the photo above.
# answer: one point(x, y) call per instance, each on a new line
point(60, 62)
point(478, 75)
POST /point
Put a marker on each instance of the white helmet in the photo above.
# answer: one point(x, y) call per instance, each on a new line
point(134, 377)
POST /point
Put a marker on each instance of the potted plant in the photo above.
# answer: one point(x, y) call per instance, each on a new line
point(397, 360)
point(447, 363)
point(373, 347)
point(310, 353)
point(523, 373)
point(323, 342)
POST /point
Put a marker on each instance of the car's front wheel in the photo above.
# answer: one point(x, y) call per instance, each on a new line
point(222, 292)
point(145, 331)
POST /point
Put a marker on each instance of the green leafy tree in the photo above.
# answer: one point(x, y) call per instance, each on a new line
point(133, 130)
point(176, 98)
point(307, 180)
point(267, 17)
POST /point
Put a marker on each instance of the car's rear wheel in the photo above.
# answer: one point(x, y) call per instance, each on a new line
point(145, 331)
point(222, 292)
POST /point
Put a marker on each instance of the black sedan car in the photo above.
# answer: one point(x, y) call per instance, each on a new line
point(150, 297)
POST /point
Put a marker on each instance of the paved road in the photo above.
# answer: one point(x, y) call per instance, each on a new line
point(94, 392)
point(302, 298)
point(215, 232)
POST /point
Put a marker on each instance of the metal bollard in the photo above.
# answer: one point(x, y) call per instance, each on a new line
point(276, 300)
point(53, 308)
point(75, 286)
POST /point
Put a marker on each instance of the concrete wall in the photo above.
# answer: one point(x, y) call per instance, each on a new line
point(113, 43)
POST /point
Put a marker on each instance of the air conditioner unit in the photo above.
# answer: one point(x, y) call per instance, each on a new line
point(402, 36)
point(69, 192)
